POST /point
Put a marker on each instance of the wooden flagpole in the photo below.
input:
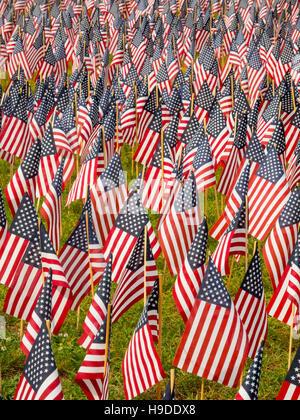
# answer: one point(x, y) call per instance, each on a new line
point(172, 380)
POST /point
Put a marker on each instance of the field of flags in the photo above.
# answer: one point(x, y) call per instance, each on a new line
point(149, 199)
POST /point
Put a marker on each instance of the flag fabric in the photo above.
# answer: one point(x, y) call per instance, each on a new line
point(251, 306)
point(290, 389)
point(204, 167)
point(268, 193)
point(214, 343)
point(40, 380)
point(51, 208)
point(142, 367)
point(21, 231)
point(93, 374)
point(287, 292)
point(80, 256)
point(233, 242)
point(25, 179)
point(3, 220)
point(141, 272)
point(189, 280)
point(250, 387)
point(98, 309)
point(179, 227)
point(42, 312)
point(49, 162)
point(127, 229)
point(281, 242)
point(108, 196)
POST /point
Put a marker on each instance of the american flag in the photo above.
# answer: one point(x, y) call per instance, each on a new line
point(256, 73)
point(251, 306)
point(280, 243)
point(68, 121)
point(24, 180)
point(250, 387)
point(21, 232)
point(87, 174)
point(157, 175)
point(293, 289)
point(19, 58)
point(51, 207)
point(93, 374)
point(48, 64)
point(42, 312)
point(38, 123)
point(290, 389)
point(180, 226)
point(218, 133)
point(3, 220)
point(27, 282)
point(127, 229)
point(141, 272)
point(286, 293)
point(79, 256)
point(190, 278)
point(169, 394)
point(40, 380)
point(15, 136)
point(108, 196)
point(268, 193)
point(214, 344)
point(98, 309)
point(150, 139)
point(142, 367)
point(62, 295)
point(233, 242)
point(204, 167)
point(49, 162)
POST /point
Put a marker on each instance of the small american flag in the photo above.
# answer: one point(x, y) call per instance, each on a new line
point(42, 312)
point(251, 305)
point(127, 229)
point(204, 167)
point(108, 196)
point(130, 289)
point(214, 344)
point(279, 245)
point(189, 280)
point(49, 162)
point(290, 390)
point(179, 227)
point(78, 254)
point(268, 193)
point(142, 367)
point(24, 180)
point(51, 208)
point(40, 380)
point(93, 375)
point(21, 232)
point(62, 295)
point(98, 310)
point(233, 242)
point(157, 175)
point(250, 387)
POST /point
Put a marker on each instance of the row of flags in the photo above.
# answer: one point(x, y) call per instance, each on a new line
point(198, 92)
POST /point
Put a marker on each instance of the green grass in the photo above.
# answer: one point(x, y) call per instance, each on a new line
point(69, 355)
